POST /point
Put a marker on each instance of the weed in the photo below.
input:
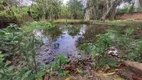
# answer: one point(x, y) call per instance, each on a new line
point(16, 41)
point(128, 47)
point(58, 65)
point(38, 25)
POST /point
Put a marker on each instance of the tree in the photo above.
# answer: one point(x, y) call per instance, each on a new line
point(111, 9)
point(47, 9)
point(76, 8)
point(103, 8)
point(65, 13)
point(139, 3)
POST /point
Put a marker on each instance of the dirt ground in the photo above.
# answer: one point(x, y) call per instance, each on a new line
point(128, 71)
point(134, 15)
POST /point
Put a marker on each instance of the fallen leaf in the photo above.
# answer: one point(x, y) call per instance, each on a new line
point(118, 79)
point(108, 74)
point(69, 78)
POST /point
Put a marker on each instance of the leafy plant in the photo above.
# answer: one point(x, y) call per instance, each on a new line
point(58, 65)
point(10, 72)
point(39, 25)
point(108, 61)
point(16, 41)
point(122, 39)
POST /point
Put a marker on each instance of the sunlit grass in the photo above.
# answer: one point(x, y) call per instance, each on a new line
point(71, 21)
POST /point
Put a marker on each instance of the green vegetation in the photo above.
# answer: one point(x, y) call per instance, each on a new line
point(9, 12)
point(58, 65)
point(15, 42)
point(19, 46)
point(122, 39)
point(76, 9)
point(124, 10)
point(71, 21)
point(38, 25)
point(46, 9)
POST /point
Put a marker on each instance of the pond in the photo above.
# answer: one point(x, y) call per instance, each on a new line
point(63, 39)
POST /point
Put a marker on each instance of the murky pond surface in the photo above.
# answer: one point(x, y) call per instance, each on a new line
point(63, 39)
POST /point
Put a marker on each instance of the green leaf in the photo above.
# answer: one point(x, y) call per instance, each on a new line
point(112, 62)
point(103, 62)
point(26, 75)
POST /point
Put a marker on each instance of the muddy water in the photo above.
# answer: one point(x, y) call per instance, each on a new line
point(63, 39)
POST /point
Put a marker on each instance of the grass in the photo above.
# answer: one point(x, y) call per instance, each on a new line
point(115, 22)
point(38, 25)
point(107, 22)
point(71, 21)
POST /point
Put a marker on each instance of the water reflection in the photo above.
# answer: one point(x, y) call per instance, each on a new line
point(66, 42)
point(92, 31)
point(53, 33)
point(64, 39)
point(61, 39)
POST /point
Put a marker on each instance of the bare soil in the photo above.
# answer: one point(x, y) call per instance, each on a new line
point(134, 15)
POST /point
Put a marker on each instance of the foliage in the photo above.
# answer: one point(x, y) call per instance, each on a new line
point(139, 9)
point(76, 8)
point(9, 72)
point(54, 68)
point(65, 12)
point(9, 38)
point(16, 41)
point(110, 61)
point(46, 9)
point(74, 30)
point(134, 53)
point(38, 25)
point(128, 47)
point(11, 11)
point(124, 10)
point(36, 13)
point(58, 65)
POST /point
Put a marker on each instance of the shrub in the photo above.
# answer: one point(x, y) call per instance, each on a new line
point(14, 40)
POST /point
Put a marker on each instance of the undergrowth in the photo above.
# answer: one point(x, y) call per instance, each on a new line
point(38, 25)
point(17, 42)
point(128, 47)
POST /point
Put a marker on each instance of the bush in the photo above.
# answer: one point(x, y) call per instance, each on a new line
point(38, 25)
point(128, 47)
point(14, 40)
point(124, 10)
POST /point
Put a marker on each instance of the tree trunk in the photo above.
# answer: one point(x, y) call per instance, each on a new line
point(140, 1)
point(113, 12)
point(90, 12)
point(132, 8)
point(87, 15)
point(106, 13)
point(113, 8)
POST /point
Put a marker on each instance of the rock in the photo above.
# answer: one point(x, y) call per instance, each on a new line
point(131, 71)
point(126, 74)
point(113, 51)
point(45, 55)
point(134, 67)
